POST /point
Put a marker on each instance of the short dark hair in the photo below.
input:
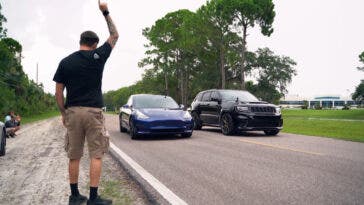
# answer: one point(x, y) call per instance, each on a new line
point(89, 38)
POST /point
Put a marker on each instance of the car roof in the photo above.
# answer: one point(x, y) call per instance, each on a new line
point(222, 90)
point(136, 95)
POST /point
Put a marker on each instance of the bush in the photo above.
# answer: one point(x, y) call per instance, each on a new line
point(346, 107)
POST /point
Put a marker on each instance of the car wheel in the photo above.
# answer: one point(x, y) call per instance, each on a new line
point(187, 135)
point(133, 133)
point(271, 132)
point(227, 124)
point(122, 129)
point(197, 124)
point(2, 143)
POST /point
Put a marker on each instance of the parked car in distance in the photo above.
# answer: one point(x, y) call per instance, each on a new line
point(235, 110)
point(2, 139)
point(146, 114)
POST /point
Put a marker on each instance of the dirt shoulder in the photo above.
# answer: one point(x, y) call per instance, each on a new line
point(34, 170)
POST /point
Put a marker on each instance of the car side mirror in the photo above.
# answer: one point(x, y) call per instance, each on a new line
point(126, 106)
point(182, 106)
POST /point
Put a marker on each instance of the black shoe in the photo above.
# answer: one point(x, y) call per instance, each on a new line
point(99, 201)
point(76, 200)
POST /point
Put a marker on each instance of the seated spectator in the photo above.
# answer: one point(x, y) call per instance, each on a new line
point(12, 125)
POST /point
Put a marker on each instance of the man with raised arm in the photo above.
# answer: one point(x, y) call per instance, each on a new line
point(81, 74)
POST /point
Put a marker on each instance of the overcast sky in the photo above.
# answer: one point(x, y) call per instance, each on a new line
point(324, 37)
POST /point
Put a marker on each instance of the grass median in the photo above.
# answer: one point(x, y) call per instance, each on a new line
point(340, 124)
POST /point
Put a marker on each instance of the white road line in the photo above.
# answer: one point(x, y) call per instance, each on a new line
point(155, 183)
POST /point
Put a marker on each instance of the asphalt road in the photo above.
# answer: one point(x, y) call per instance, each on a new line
point(211, 168)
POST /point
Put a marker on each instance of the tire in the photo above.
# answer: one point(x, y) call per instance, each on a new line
point(271, 132)
point(187, 135)
point(197, 124)
point(2, 144)
point(227, 124)
point(122, 129)
point(133, 134)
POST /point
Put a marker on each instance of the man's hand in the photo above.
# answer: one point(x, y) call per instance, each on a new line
point(64, 120)
point(103, 6)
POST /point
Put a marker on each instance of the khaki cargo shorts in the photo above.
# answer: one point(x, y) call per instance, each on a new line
point(85, 123)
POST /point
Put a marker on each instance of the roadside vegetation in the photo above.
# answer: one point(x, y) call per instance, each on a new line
point(17, 92)
point(340, 124)
point(38, 117)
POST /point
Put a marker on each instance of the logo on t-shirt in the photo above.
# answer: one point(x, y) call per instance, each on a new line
point(96, 56)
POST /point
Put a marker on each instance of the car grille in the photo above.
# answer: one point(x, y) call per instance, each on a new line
point(168, 123)
point(263, 109)
point(265, 122)
point(168, 130)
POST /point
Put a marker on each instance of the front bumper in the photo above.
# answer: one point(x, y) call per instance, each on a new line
point(258, 122)
point(160, 127)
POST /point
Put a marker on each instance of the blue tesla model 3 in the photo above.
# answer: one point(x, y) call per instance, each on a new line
point(146, 114)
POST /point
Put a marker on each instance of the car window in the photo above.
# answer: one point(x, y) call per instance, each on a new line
point(198, 97)
point(240, 95)
point(206, 96)
point(215, 95)
point(130, 101)
point(155, 101)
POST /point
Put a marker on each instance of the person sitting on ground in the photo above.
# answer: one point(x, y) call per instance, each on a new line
point(17, 121)
point(8, 116)
point(11, 127)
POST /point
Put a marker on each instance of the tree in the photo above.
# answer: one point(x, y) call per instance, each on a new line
point(173, 48)
point(274, 74)
point(18, 93)
point(243, 14)
point(361, 59)
point(2, 20)
point(217, 32)
point(358, 95)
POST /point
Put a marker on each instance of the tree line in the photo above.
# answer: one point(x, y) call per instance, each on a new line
point(358, 95)
point(17, 92)
point(188, 52)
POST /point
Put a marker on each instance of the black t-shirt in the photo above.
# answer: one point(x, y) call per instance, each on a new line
point(81, 73)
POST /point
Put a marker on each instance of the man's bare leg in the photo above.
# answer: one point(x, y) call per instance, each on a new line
point(73, 168)
point(95, 171)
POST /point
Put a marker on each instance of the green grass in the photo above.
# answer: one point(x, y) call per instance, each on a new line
point(340, 124)
point(112, 190)
point(112, 112)
point(43, 116)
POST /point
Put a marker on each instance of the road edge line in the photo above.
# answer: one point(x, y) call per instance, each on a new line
point(166, 193)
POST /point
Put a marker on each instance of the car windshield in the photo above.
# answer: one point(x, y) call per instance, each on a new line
point(243, 96)
point(154, 101)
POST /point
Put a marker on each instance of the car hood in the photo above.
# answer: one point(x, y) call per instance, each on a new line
point(163, 114)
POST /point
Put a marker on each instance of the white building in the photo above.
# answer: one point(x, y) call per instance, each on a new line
point(324, 101)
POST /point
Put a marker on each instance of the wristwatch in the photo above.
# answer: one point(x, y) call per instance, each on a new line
point(105, 13)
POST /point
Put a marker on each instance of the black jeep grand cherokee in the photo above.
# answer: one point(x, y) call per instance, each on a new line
point(235, 110)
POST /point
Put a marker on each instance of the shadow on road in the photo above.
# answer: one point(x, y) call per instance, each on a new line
point(238, 134)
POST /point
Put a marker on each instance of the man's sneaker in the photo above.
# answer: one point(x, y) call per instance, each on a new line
point(99, 201)
point(76, 200)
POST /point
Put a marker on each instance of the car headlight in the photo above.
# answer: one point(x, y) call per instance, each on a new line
point(187, 116)
point(242, 109)
point(141, 115)
point(278, 110)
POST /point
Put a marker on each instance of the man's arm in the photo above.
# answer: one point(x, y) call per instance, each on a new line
point(60, 100)
point(114, 35)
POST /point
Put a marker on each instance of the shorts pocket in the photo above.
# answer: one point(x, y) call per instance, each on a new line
point(105, 140)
